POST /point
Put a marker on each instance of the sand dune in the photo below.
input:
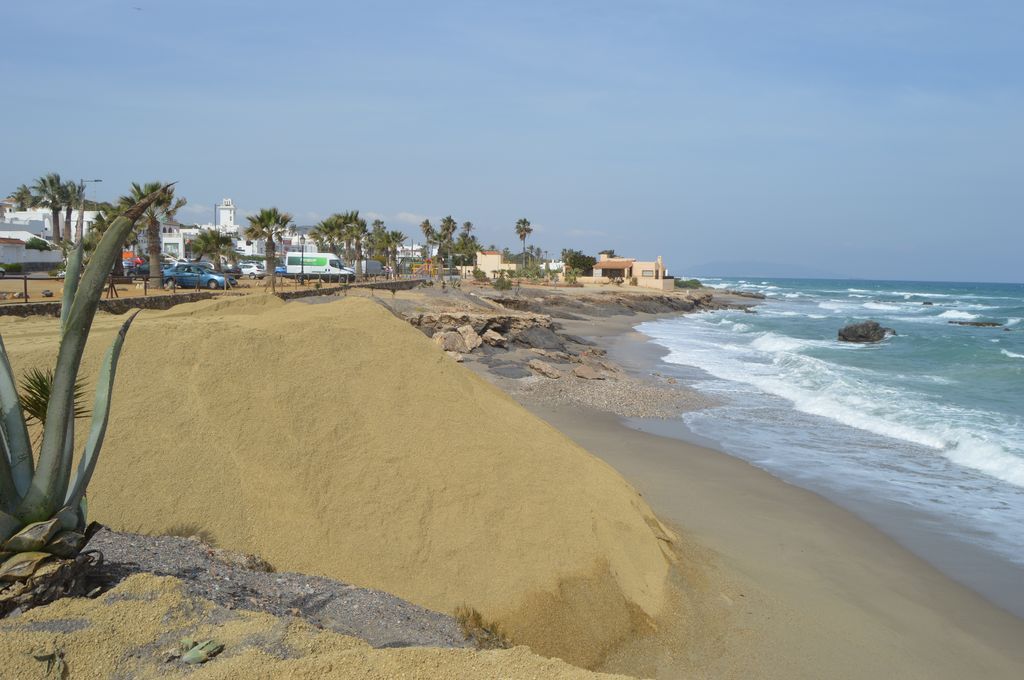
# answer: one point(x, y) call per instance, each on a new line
point(129, 631)
point(334, 439)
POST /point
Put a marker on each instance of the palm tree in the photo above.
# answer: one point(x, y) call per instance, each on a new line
point(523, 229)
point(377, 240)
point(445, 235)
point(164, 209)
point(99, 226)
point(213, 244)
point(74, 195)
point(429, 236)
point(395, 239)
point(48, 192)
point(329, 233)
point(271, 225)
point(22, 197)
point(355, 232)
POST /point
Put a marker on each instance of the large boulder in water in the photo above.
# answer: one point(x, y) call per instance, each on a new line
point(865, 331)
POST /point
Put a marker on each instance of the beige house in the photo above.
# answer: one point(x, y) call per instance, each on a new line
point(489, 262)
point(645, 274)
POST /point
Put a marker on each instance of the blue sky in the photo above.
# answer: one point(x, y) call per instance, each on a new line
point(867, 139)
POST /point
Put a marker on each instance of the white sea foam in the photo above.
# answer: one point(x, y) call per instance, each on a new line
point(880, 307)
point(771, 342)
point(1012, 355)
point(1012, 321)
point(958, 315)
point(855, 397)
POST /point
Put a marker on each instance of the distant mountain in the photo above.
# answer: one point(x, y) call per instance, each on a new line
point(768, 270)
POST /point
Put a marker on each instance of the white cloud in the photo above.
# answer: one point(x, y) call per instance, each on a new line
point(409, 218)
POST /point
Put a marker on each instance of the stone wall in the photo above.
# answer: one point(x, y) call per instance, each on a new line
point(114, 306)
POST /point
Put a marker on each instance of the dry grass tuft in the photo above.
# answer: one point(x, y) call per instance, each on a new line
point(484, 634)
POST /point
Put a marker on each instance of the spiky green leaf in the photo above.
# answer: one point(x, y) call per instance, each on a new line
point(71, 274)
point(100, 415)
point(50, 483)
point(16, 458)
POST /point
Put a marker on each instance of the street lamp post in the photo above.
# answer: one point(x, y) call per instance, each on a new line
point(302, 259)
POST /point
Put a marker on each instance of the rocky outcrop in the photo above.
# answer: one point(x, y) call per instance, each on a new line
point(450, 341)
point(502, 324)
point(587, 372)
point(469, 337)
point(540, 337)
point(493, 338)
point(865, 331)
point(977, 324)
point(608, 303)
point(544, 368)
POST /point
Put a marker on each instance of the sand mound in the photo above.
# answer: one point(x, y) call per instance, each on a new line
point(335, 439)
point(127, 632)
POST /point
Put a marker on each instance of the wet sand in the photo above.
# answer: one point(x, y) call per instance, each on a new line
point(789, 584)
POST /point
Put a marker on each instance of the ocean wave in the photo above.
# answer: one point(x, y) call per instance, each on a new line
point(856, 397)
point(958, 315)
point(1012, 355)
point(1012, 321)
point(772, 342)
point(881, 307)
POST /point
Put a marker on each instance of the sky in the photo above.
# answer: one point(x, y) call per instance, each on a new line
point(870, 139)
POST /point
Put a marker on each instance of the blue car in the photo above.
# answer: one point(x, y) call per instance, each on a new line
point(196, 276)
point(280, 270)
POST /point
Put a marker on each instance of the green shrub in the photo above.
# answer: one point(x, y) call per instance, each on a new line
point(13, 267)
point(37, 244)
point(478, 274)
point(688, 283)
point(502, 282)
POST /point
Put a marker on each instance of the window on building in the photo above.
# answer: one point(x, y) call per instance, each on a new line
point(647, 272)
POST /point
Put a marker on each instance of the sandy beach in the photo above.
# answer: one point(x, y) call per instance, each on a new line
point(612, 547)
point(799, 586)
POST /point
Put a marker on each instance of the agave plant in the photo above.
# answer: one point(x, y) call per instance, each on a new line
point(42, 508)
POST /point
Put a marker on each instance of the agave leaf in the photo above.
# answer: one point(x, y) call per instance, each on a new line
point(65, 544)
point(100, 415)
point(201, 652)
point(33, 537)
point(50, 483)
point(9, 525)
point(16, 463)
point(22, 565)
point(71, 274)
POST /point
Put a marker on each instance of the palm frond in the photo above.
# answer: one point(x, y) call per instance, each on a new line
point(34, 395)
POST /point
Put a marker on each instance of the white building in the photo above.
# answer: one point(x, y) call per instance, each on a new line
point(13, 251)
point(39, 221)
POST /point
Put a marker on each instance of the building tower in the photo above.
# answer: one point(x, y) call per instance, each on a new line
point(225, 218)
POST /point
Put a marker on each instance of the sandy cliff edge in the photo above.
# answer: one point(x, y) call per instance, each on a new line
point(334, 439)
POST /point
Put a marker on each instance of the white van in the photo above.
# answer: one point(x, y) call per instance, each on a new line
point(314, 265)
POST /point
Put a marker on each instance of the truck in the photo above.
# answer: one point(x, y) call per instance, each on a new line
point(317, 265)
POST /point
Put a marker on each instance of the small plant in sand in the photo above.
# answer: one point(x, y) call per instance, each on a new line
point(42, 508)
point(502, 282)
point(484, 634)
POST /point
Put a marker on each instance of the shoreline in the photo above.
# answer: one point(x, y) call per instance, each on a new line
point(830, 580)
point(981, 571)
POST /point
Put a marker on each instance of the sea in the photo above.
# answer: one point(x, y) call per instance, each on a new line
point(921, 434)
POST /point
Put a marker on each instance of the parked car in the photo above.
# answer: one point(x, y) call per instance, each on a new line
point(280, 270)
point(254, 270)
point(196, 276)
point(143, 270)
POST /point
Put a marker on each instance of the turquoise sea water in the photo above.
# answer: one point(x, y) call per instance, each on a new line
point(923, 433)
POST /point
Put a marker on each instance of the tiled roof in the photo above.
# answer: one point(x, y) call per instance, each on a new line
point(617, 263)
